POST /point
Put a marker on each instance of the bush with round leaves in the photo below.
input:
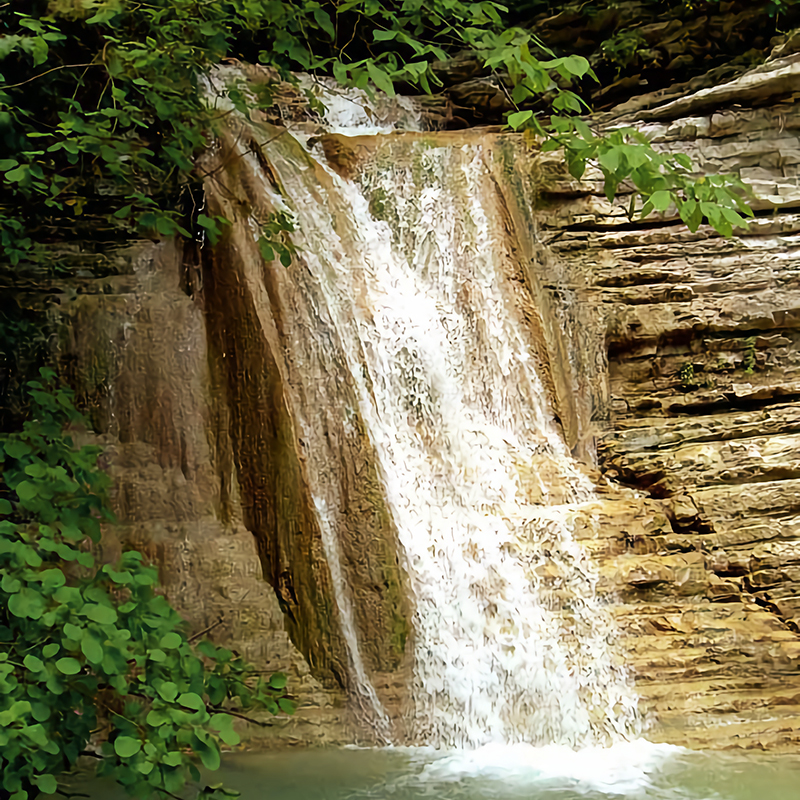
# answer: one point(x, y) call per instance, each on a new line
point(93, 661)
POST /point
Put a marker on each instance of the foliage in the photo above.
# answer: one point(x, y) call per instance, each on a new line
point(274, 240)
point(623, 47)
point(87, 648)
point(23, 345)
point(105, 98)
point(102, 97)
point(663, 179)
point(749, 360)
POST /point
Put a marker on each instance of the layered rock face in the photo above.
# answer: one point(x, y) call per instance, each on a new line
point(684, 353)
point(672, 362)
point(219, 385)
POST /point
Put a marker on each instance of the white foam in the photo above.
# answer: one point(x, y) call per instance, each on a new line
point(352, 112)
point(624, 768)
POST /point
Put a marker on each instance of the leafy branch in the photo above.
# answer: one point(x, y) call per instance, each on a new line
point(662, 180)
point(86, 648)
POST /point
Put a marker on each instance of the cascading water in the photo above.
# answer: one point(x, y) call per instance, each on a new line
point(413, 262)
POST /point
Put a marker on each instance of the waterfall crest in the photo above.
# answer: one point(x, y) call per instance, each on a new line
point(413, 264)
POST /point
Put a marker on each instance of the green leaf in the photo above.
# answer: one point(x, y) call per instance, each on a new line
point(221, 721)
point(52, 578)
point(47, 784)
point(576, 65)
point(73, 631)
point(16, 448)
point(168, 691)
point(265, 248)
point(173, 759)
point(691, 214)
point(519, 118)
point(207, 649)
point(576, 168)
point(37, 734)
point(610, 159)
point(380, 78)
point(661, 200)
point(277, 681)
point(192, 700)
point(26, 491)
point(340, 72)
point(286, 705)
point(125, 746)
point(18, 174)
point(156, 718)
point(731, 216)
point(27, 603)
point(209, 755)
point(92, 649)
point(33, 663)
point(584, 130)
point(5, 507)
point(68, 666)
point(230, 737)
point(324, 21)
point(36, 470)
point(105, 615)
point(49, 650)
point(145, 767)
point(171, 641)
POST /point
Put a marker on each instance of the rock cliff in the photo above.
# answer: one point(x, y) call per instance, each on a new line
point(140, 349)
point(673, 366)
point(684, 352)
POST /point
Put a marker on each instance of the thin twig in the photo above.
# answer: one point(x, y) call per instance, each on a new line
point(47, 72)
point(504, 89)
point(206, 630)
point(169, 793)
point(232, 154)
point(243, 716)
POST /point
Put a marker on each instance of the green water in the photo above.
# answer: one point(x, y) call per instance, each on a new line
point(637, 773)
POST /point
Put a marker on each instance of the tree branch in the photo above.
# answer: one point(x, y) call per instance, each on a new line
point(206, 630)
point(242, 716)
point(47, 72)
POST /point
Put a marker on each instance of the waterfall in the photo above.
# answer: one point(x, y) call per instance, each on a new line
point(420, 283)
point(363, 685)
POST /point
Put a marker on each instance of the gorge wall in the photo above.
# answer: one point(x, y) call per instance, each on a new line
point(671, 355)
point(684, 349)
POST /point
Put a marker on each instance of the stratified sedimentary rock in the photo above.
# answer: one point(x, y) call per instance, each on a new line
point(690, 378)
